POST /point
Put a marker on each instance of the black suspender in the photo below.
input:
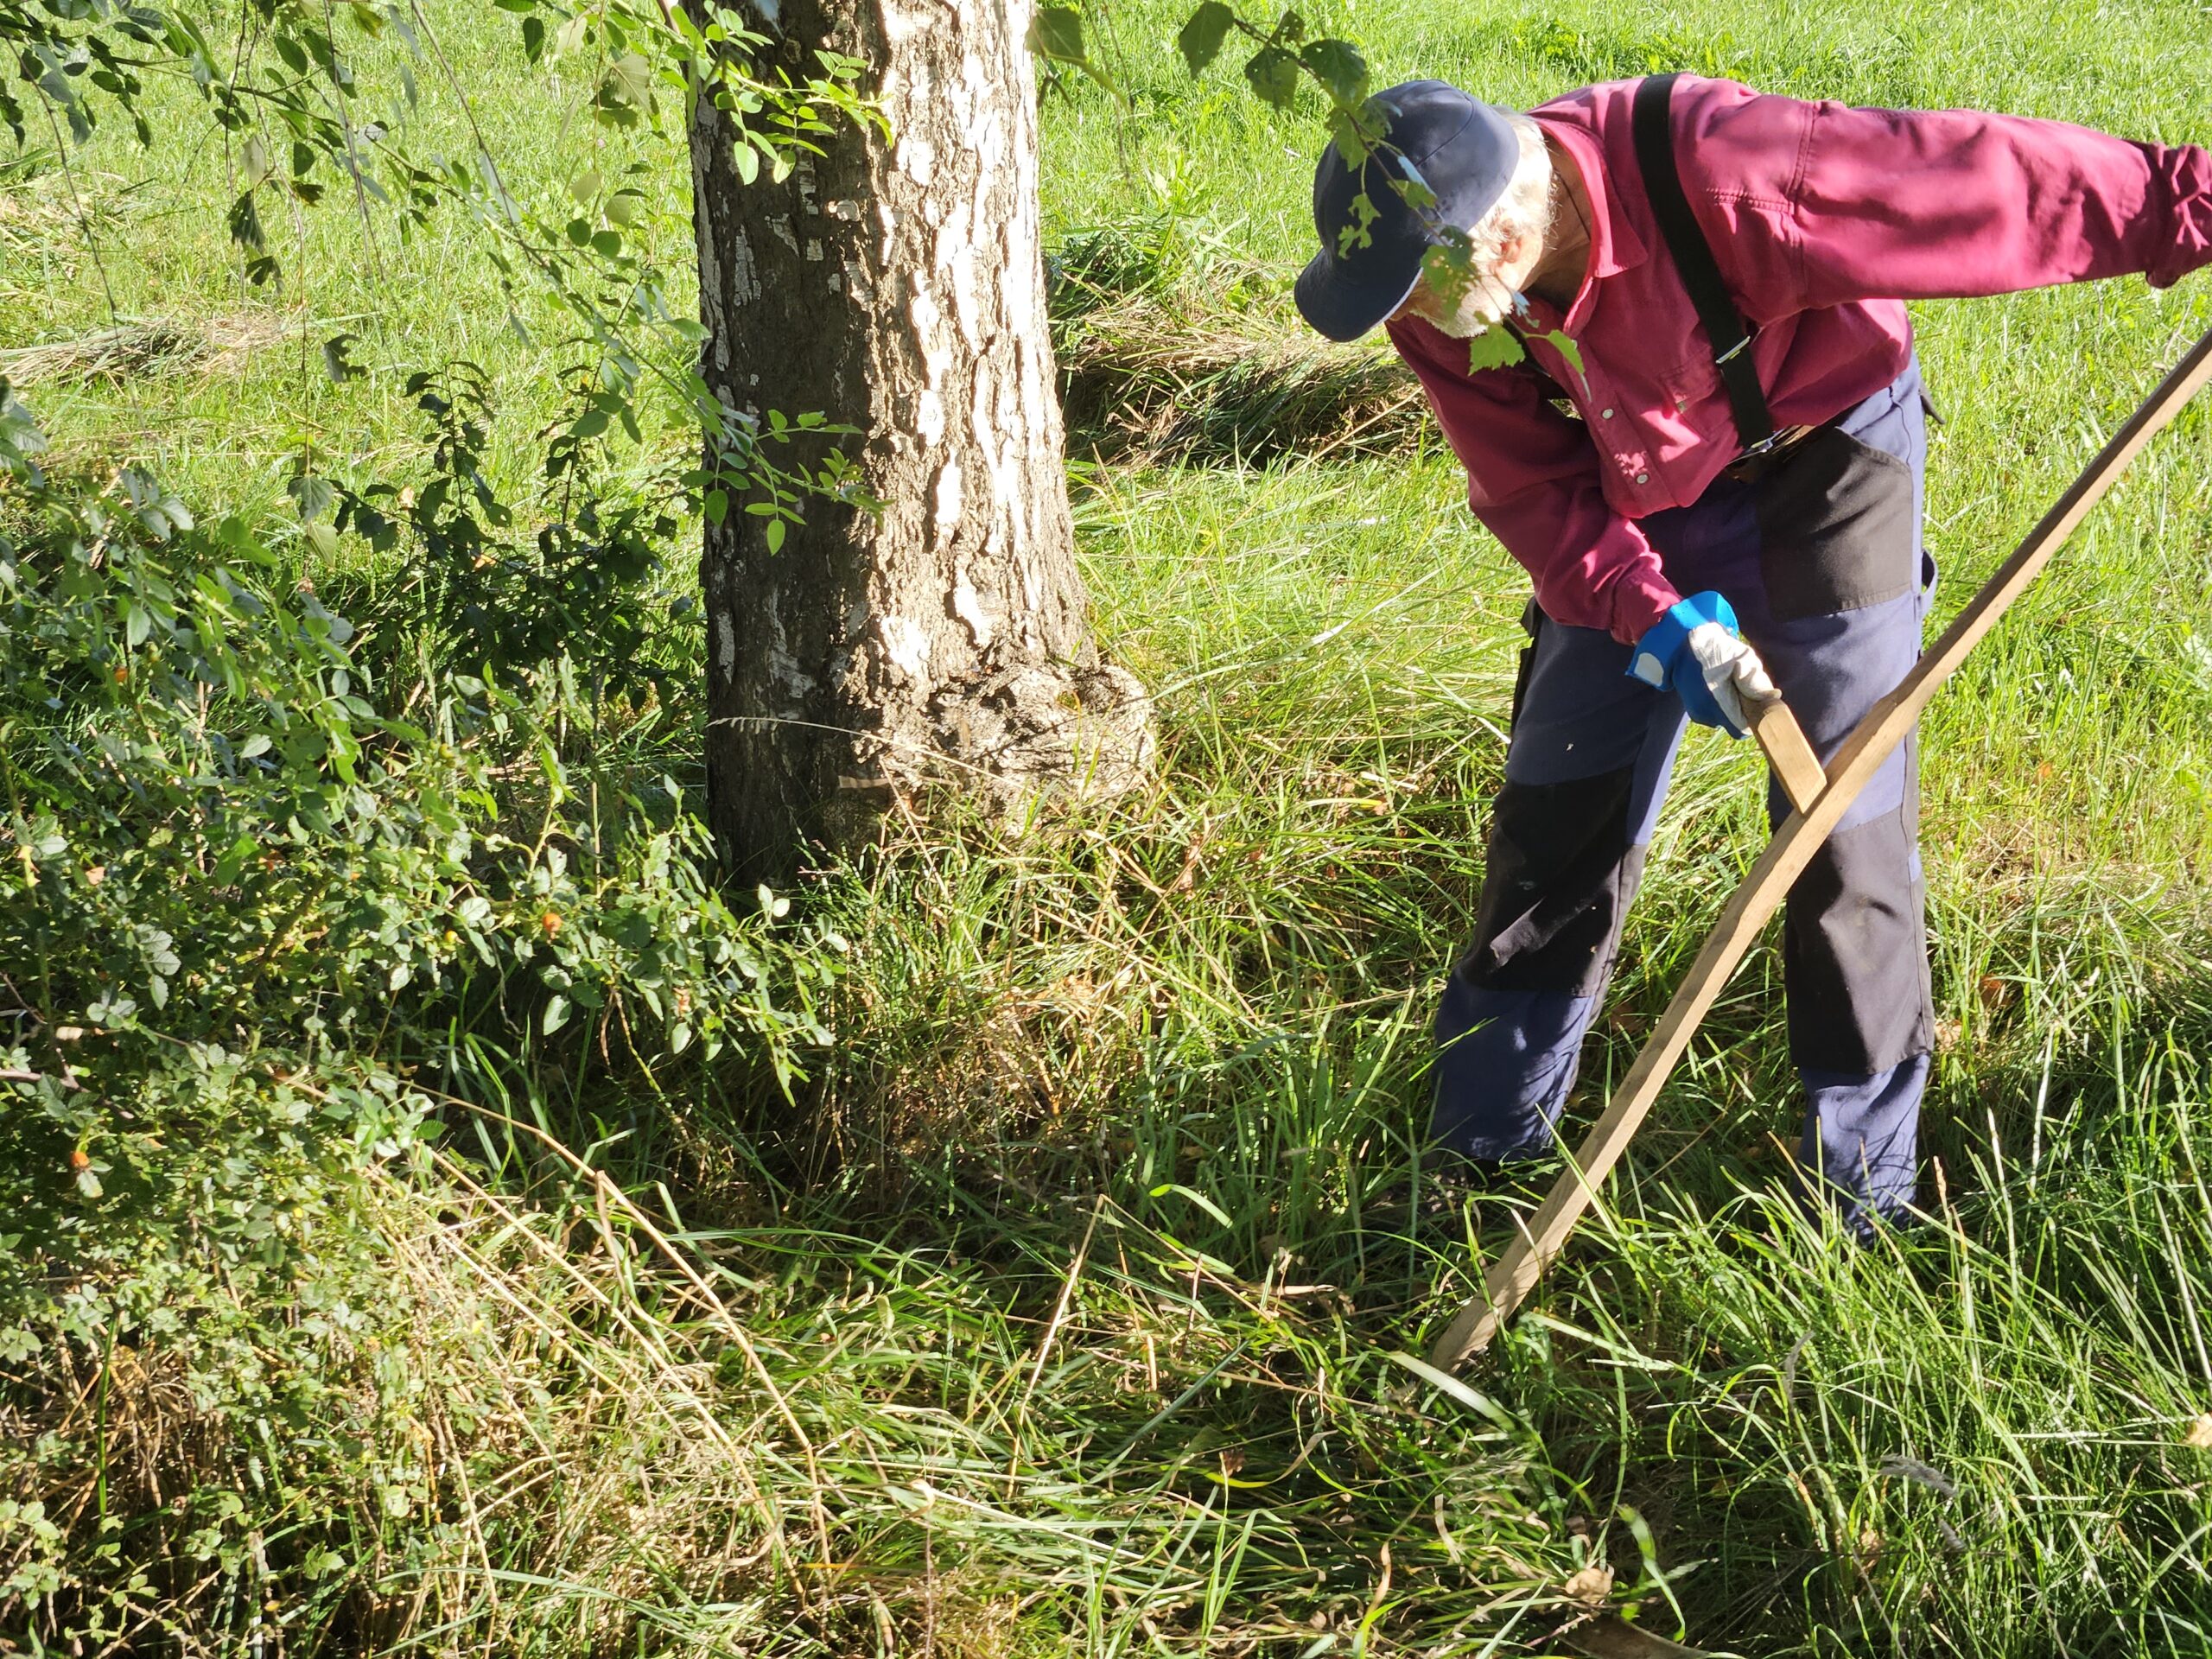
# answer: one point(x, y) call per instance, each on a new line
point(1662, 185)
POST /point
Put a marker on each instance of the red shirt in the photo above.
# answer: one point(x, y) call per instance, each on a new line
point(1823, 220)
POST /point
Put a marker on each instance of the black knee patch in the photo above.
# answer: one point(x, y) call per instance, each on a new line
point(1557, 882)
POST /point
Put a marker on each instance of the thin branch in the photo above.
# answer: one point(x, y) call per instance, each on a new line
point(84, 219)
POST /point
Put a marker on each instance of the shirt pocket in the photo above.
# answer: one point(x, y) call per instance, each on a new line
point(1690, 417)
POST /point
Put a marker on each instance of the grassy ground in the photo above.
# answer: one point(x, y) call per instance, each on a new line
point(1080, 1329)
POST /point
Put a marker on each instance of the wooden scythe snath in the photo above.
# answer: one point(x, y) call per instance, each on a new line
point(1515, 1273)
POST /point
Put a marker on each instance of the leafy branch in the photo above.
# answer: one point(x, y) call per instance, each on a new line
point(285, 99)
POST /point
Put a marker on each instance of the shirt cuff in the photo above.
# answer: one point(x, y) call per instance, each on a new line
point(1642, 599)
point(2186, 243)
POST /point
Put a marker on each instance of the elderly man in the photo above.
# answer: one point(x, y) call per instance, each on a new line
point(1709, 458)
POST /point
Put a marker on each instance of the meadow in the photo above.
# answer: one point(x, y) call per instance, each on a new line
point(1035, 1261)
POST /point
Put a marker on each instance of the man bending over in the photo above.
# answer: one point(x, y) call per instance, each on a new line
point(1709, 458)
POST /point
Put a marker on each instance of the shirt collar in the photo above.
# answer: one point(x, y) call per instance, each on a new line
point(1614, 244)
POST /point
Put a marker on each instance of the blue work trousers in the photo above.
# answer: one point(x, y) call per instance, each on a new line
point(1821, 556)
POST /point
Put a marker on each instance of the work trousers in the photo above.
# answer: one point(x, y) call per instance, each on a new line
point(1822, 558)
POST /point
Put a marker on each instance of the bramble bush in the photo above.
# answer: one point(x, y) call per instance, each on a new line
point(265, 875)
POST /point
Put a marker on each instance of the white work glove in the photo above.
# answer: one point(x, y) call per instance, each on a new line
point(1695, 652)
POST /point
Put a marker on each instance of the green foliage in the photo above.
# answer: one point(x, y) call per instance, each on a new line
point(259, 870)
point(1056, 36)
point(1272, 72)
point(173, 703)
point(1493, 348)
point(151, 1231)
point(1200, 38)
point(1285, 61)
point(287, 100)
point(477, 590)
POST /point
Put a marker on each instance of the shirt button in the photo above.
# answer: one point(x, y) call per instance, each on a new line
point(1605, 414)
point(1643, 478)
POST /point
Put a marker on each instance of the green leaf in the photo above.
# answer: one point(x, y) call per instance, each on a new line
point(774, 535)
point(1274, 74)
point(336, 364)
point(1414, 191)
point(556, 1016)
point(245, 222)
point(1195, 1196)
point(633, 79)
point(716, 506)
point(1200, 40)
point(1563, 343)
point(1057, 32)
point(311, 495)
point(242, 851)
point(1340, 67)
point(1357, 233)
point(533, 38)
point(747, 161)
point(1493, 348)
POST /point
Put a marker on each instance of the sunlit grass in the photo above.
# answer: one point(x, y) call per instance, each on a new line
point(1087, 1284)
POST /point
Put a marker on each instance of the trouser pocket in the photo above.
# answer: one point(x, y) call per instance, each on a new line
point(1837, 528)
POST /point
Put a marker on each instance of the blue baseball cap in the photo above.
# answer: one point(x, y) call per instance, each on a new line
point(1434, 134)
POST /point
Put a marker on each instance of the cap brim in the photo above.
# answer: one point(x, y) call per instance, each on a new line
point(1466, 153)
point(1341, 303)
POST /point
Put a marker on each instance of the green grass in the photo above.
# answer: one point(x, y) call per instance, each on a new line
point(1085, 1281)
point(145, 230)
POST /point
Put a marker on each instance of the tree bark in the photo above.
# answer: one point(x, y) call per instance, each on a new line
point(897, 286)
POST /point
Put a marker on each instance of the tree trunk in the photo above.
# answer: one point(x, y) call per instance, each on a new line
point(897, 286)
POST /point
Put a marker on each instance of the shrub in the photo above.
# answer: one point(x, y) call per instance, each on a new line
point(255, 902)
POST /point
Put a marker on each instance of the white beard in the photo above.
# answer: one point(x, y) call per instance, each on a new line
point(1482, 307)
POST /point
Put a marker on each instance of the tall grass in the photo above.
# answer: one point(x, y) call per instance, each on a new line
point(1068, 1306)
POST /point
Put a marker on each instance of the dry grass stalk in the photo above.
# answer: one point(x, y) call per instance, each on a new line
point(571, 1414)
point(135, 351)
point(1143, 382)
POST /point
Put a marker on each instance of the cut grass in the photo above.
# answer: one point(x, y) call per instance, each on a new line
point(142, 350)
point(1151, 379)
